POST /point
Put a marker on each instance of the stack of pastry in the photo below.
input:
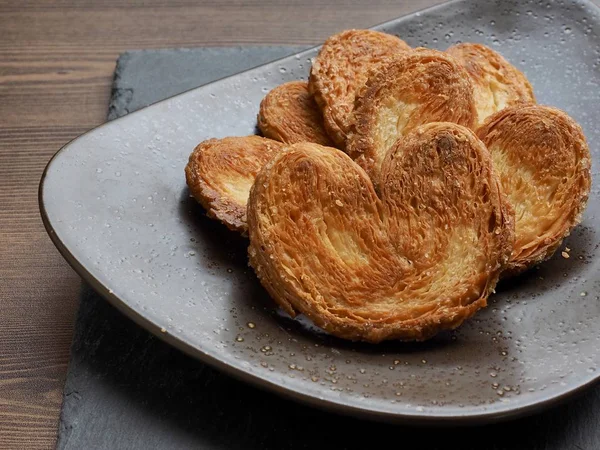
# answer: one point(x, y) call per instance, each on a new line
point(389, 194)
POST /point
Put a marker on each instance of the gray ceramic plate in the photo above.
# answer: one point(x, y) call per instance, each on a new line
point(115, 203)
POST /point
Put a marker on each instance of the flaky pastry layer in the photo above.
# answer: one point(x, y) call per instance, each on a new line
point(543, 161)
point(340, 70)
point(289, 114)
point(421, 258)
point(498, 84)
point(408, 90)
point(220, 172)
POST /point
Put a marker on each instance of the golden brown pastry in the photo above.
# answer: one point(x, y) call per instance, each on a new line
point(543, 161)
point(498, 84)
point(290, 114)
point(420, 259)
point(411, 89)
point(220, 173)
point(340, 70)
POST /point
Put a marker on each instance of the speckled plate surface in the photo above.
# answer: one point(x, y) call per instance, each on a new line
point(116, 205)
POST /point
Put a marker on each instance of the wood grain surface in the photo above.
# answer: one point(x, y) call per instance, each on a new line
point(56, 65)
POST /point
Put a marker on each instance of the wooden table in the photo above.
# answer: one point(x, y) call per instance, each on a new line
point(56, 64)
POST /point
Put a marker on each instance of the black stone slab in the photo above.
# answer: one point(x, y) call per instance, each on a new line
point(128, 390)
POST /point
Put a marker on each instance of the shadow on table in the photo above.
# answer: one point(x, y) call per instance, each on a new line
point(128, 389)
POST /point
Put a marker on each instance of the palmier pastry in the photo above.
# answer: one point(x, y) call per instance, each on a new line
point(220, 173)
point(421, 258)
point(412, 89)
point(543, 162)
point(497, 83)
point(290, 114)
point(340, 70)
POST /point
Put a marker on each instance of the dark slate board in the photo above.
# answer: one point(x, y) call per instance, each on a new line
point(127, 389)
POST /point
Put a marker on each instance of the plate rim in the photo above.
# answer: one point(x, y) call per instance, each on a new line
point(255, 380)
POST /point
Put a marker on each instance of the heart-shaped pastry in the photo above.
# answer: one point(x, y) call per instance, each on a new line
point(543, 161)
point(421, 258)
point(339, 71)
point(409, 90)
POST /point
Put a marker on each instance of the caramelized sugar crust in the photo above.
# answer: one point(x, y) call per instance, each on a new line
point(542, 159)
point(220, 172)
point(420, 258)
point(409, 90)
point(290, 114)
point(340, 70)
